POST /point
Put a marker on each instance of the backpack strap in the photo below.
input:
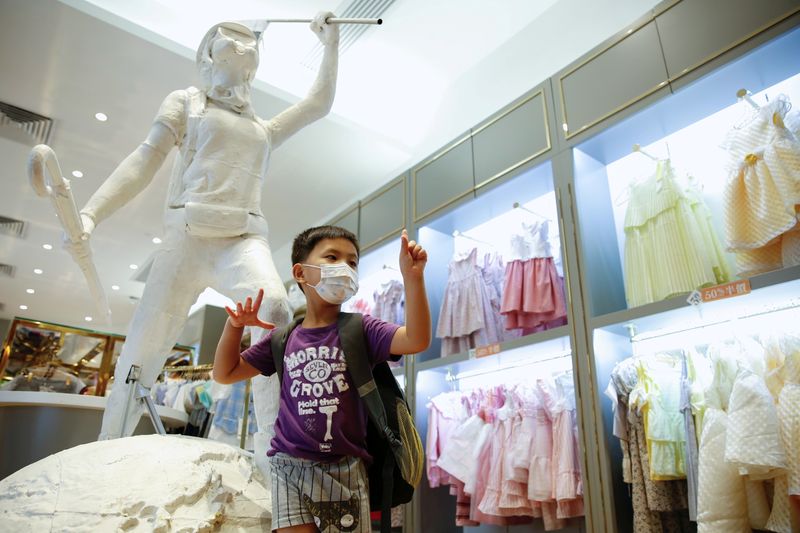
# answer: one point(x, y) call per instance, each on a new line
point(351, 336)
point(277, 341)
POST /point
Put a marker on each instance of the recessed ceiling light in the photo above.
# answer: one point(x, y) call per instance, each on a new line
point(30, 291)
point(133, 267)
point(77, 173)
point(47, 246)
point(102, 117)
point(115, 287)
point(87, 318)
point(38, 271)
point(23, 307)
point(156, 240)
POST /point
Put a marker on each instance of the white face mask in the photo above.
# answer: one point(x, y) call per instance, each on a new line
point(338, 282)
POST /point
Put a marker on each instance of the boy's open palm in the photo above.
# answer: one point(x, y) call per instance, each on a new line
point(247, 315)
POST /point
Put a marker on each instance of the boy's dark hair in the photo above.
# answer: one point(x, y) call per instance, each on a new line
point(307, 240)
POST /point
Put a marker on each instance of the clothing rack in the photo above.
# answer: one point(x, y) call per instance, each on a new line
point(196, 369)
point(646, 337)
point(457, 233)
point(473, 373)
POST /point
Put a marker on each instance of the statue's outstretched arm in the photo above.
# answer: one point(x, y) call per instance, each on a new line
point(319, 100)
point(133, 174)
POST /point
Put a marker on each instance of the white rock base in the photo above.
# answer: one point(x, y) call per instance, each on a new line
point(147, 483)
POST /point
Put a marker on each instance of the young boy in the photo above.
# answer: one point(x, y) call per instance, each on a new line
point(318, 455)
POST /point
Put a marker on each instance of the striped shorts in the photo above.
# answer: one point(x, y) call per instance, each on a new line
point(334, 496)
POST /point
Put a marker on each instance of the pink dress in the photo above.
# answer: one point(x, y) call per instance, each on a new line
point(567, 487)
point(486, 462)
point(533, 294)
point(540, 478)
point(445, 413)
point(497, 500)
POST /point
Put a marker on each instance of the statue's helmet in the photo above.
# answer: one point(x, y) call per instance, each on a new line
point(235, 31)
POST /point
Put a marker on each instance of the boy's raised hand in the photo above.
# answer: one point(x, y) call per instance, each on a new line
point(247, 315)
point(413, 258)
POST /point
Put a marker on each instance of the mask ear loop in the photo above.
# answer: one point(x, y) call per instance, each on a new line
point(312, 266)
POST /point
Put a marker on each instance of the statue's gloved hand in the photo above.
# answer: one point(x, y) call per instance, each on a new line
point(88, 226)
point(328, 33)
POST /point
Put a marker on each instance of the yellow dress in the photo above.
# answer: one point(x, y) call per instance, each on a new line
point(762, 194)
point(670, 246)
point(658, 395)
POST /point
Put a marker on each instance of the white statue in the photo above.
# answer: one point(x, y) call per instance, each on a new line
point(215, 232)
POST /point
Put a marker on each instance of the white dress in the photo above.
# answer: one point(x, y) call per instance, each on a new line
point(722, 496)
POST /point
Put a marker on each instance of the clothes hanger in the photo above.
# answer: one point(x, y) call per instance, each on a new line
point(637, 148)
point(517, 205)
point(457, 233)
point(744, 94)
point(624, 196)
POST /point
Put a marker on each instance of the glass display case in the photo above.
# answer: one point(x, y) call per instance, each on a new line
point(687, 216)
point(494, 271)
point(501, 357)
point(696, 190)
point(40, 356)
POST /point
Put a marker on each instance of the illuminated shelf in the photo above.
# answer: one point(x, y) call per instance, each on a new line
point(768, 289)
point(462, 361)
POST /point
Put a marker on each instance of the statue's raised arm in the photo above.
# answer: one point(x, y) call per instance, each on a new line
point(319, 100)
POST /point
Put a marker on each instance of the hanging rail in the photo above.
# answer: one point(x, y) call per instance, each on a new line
point(473, 373)
point(645, 337)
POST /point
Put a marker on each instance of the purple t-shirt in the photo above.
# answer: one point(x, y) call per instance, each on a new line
point(320, 415)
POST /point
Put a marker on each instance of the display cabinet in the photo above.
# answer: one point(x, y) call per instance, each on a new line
point(383, 214)
point(349, 219)
point(513, 221)
point(687, 239)
point(443, 178)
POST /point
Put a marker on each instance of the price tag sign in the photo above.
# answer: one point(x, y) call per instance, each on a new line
point(486, 351)
point(728, 290)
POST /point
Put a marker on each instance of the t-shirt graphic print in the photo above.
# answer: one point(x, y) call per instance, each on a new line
point(320, 416)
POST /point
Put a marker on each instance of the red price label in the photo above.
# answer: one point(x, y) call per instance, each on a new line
point(485, 351)
point(728, 290)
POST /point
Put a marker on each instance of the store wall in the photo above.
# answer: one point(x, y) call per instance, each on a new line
point(563, 33)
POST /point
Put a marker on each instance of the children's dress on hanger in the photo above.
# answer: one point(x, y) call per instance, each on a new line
point(762, 194)
point(666, 250)
point(389, 301)
point(466, 319)
point(533, 293)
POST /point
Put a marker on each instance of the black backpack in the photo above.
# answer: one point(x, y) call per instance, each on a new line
point(392, 439)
